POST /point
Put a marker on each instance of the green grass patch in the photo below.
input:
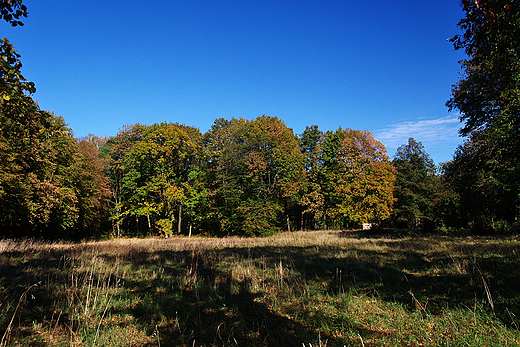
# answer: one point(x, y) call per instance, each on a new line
point(322, 288)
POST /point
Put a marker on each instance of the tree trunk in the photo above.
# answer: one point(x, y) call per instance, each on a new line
point(179, 220)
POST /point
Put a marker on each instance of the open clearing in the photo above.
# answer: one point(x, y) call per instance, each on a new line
point(327, 288)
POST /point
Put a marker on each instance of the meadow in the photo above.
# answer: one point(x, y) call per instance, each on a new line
point(323, 288)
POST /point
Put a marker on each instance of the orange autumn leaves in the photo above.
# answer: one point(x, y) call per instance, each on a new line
point(360, 178)
point(249, 177)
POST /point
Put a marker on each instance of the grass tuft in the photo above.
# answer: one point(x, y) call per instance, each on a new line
point(327, 288)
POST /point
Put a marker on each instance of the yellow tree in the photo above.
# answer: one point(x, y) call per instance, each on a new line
point(155, 172)
point(359, 177)
point(276, 172)
point(92, 187)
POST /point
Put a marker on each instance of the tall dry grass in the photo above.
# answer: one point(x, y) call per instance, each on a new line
point(330, 288)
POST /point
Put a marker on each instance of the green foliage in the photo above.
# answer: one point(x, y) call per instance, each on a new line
point(311, 144)
point(312, 200)
point(489, 93)
point(415, 187)
point(12, 83)
point(259, 217)
point(349, 179)
point(254, 171)
point(485, 174)
point(485, 170)
point(151, 168)
point(273, 158)
point(359, 178)
point(226, 173)
point(92, 188)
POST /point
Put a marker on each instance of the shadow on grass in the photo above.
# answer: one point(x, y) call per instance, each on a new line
point(197, 304)
point(183, 304)
point(415, 272)
point(181, 297)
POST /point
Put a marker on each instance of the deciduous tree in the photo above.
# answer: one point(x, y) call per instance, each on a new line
point(275, 165)
point(486, 179)
point(312, 200)
point(359, 178)
point(415, 187)
point(489, 92)
point(226, 174)
point(488, 98)
point(152, 166)
point(254, 172)
point(92, 188)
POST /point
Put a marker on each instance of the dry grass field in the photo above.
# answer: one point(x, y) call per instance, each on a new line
point(326, 288)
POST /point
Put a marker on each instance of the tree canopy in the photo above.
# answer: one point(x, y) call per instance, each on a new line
point(485, 169)
point(415, 186)
point(49, 183)
point(489, 92)
point(256, 177)
point(359, 177)
point(12, 10)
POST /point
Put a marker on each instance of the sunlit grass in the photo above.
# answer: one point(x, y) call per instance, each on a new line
point(327, 288)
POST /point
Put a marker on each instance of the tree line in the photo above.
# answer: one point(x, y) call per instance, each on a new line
point(242, 177)
point(256, 177)
point(246, 177)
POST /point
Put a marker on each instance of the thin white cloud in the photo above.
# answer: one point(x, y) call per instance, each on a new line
point(439, 136)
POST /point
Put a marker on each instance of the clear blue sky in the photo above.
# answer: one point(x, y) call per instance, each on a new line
point(384, 66)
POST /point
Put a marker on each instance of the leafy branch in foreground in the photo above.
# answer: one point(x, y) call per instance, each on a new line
point(12, 10)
